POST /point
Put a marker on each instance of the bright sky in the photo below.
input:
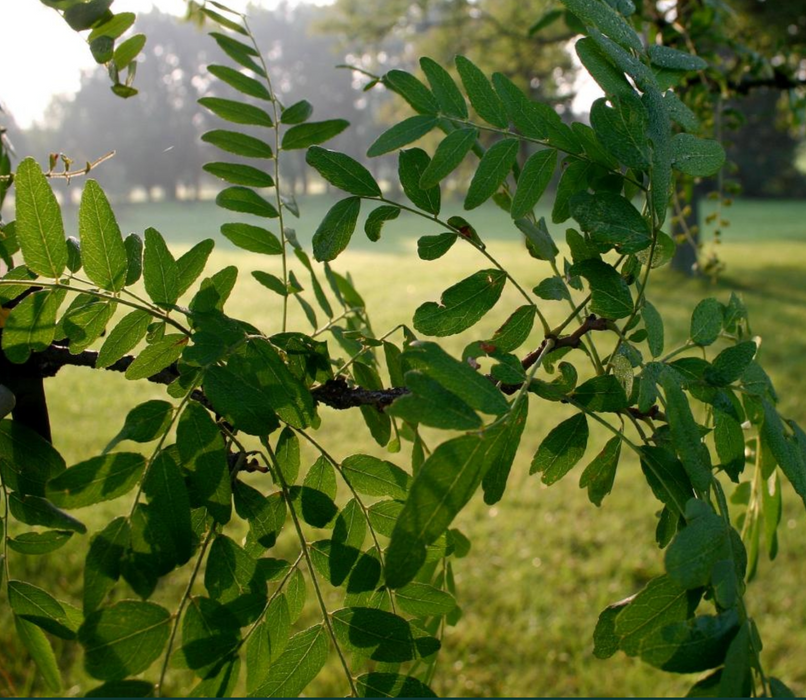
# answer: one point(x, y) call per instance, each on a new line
point(55, 63)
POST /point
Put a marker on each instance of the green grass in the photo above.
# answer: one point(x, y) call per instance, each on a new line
point(544, 561)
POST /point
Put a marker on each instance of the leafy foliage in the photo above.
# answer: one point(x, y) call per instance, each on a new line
point(364, 531)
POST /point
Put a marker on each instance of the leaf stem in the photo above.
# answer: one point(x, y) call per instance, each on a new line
point(100, 295)
point(304, 545)
point(180, 609)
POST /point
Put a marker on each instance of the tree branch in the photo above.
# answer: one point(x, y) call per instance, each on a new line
point(336, 393)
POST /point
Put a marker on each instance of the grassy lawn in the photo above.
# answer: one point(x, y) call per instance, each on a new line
point(544, 561)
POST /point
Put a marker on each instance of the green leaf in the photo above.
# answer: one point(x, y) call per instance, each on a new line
point(695, 156)
point(444, 88)
point(41, 651)
point(236, 112)
point(391, 685)
point(134, 258)
point(27, 461)
point(343, 172)
point(449, 154)
point(666, 477)
point(462, 305)
point(695, 549)
point(239, 174)
point(124, 639)
point(34, 510)
point(375, 634)
point(297, 113)
point(661, 173)
point(157, 356)
point(515, 331)
point(502, 454)
point(561, 449)
point(102, 565)
point(573, 179)
point(375, 477)
point(552, 289)
point(160, 271)
point(31, 325)
point(272, 282)
point(377, 218)
point(483, 98)
point(204, 457)
point(622, 129)
point(434, 247)
point(661, 602)
point(35, 605)
point(411, 90)
point(492, 171)
point(443, 486)
point(653, 323)
point(288, 455)
point(102, 251)
point(529, 117)
point(785, 452)
point(238, 51)
point(113, 27)
point(412, 164)
point(265, 516)
point(610, 295)
point(534, 178)
point(611, 220)
point(601, 394)
point(431, 404)
point(605, 639)
point(39, 226)
point(685, 433)
point(252, 238)
point(97, 479)
point(312, 133)
point(539, 242)
point(224, 21)
point(600, 474)
point(242, 83)
point(601, 69)
point(336, 229)
point(168, 498)
point(456, 376)
point(36, 543)
point(126, 52)
point(673, 59)
point(289, 397)
point(607, 21)
point(144, 423)
point(297, 666)
point(210, 635)
point(267, 642)
point(402, 134)
point(231, 574)
point(220, 681)
point(85, 320)
point(240, 144)
point(246, 201)
point(729, 365)
point(706, 321)
point(692, 646)
point(242, 404)
point(422, 600)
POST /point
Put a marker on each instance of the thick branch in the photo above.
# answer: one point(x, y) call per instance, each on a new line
point(336, 393)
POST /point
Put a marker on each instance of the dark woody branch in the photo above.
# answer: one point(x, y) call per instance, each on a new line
point(336, 393)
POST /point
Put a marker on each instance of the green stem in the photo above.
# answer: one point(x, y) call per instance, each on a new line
point(271, 599)
point(480, 248)
point(277, 149)
point(100, 295)
point(314, 580)
point(333, 321)
point(180, 609)
point(5, 528)
point(366, 348)
point(364, 509)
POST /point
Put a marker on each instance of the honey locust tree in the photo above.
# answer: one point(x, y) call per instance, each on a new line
point(352, 557)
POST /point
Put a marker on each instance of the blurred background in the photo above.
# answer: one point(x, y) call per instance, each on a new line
point(544, 563)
